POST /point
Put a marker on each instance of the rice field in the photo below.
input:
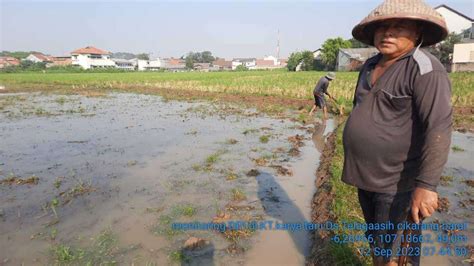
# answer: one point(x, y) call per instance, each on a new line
point(279, 83)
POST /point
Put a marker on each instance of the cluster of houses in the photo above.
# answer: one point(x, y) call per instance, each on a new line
point(347, 59)
point(6, 61)
point(91, 57)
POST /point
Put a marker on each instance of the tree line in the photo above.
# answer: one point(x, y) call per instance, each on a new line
point(330, 49)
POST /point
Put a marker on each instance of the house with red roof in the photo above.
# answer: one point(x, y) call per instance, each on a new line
point(6, 61)
point(91, 57)
point(265, 64)
point(174, 64)
point(39, 58)
point(270, 62)
point(222, 64)
point(61, 61)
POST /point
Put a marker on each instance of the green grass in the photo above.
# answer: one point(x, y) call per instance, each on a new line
point(456, 148)
point(102, 251)
point(264, 138)
point(210, 161)
point(178, 257)
point(184, 210)
point(446, 180)
point(302, 118)
point(62, 254)
point(57, 183)
point(164, 224)
point(213, 158)
point(238, 194)
point(231, 176)
point(40, 111)
point(61, 100)
point(346, 208)
point(280, 83)
point(249, 131)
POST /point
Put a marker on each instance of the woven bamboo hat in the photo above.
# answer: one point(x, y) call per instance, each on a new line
point(331, 75)
point(434, 25)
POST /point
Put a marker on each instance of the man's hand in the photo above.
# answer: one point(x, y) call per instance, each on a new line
point(424, 202)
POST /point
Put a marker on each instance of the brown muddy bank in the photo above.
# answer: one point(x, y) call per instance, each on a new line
point(264, 103)
point(321, 207)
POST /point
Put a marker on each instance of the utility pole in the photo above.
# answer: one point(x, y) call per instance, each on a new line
point(278, 45)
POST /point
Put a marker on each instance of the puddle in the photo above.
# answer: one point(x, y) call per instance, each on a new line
point(459, 169)
point(287, 200)
point(133, 164)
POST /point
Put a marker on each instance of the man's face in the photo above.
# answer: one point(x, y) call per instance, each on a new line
point(395, 37)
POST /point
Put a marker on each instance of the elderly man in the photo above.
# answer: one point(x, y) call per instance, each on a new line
point(397, 138)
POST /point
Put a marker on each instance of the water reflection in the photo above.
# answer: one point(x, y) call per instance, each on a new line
point(318, 135)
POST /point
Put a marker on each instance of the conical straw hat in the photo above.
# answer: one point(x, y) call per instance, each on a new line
point(434, 25)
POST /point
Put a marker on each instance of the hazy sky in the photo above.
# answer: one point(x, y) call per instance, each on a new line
point(173, 28)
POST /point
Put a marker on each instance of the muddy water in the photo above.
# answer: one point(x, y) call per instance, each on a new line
point(288, 200)
point(131, 164)
point(460, 196)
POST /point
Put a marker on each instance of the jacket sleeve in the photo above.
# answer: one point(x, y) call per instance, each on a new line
point(432, 99)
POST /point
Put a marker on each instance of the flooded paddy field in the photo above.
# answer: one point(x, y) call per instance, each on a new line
point(102, 179)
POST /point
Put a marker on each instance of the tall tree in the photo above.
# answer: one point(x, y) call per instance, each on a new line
point(241, 68)
point(17, 55)
point(330, 49)
point(190, 59)
point(32, 66)
point(207, 57)
point(199, 57)
point(294, 60)
point(307, 60)
point(444, 50)
point(357, 44)
point(143, 56)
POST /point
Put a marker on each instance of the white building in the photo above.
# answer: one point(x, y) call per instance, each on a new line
point(249, 63)
point(463, 57)
point(455, 20)
point(317, 54)
point(125, 64)
point(150, 65)
point(91, 57)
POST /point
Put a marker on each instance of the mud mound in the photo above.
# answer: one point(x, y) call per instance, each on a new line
point(321, 206)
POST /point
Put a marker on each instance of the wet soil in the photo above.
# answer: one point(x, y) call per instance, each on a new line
point(455, 204)
point(322, 205)
point(463, 115)
point(134, 164)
